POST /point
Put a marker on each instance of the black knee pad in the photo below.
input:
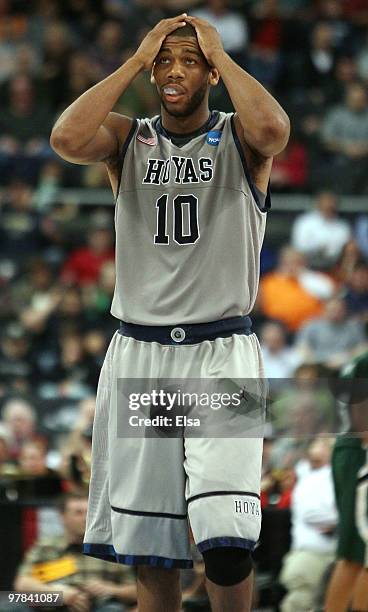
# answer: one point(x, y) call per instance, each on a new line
point(227, 565)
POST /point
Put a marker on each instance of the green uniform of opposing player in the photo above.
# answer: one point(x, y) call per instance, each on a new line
point(349, 583)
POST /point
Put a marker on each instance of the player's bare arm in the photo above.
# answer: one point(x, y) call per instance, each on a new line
point(88, 131)
point(262, 125)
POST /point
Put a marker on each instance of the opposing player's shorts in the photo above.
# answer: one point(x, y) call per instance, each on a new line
point(361, 507)
point(145, 491)
point(348, 459)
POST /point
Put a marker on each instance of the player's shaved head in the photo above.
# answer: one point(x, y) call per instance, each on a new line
point(187, 31)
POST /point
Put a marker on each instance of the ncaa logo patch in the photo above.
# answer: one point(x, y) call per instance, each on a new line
point(214, 137)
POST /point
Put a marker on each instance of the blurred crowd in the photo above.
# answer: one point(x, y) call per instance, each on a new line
point(57, 261)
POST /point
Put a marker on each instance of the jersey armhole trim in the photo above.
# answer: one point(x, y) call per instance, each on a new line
point(267, 204)
point(122, 154)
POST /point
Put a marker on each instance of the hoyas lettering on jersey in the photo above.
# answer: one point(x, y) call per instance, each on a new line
point(182, 170)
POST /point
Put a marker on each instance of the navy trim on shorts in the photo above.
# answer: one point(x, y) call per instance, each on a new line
point(187, 333)
point(267, 203)
point(181, 517)
point(108, 553)
point(214, 493)
point(226, 541)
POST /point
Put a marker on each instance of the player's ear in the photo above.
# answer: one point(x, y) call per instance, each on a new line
point(152, 78)
point(213, 77)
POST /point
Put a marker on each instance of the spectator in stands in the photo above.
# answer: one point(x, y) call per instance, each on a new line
point(140, 99)
point(314, 519)
point(95, 177)
point(6, 443)
point(265, 59)
point(84, 264)
point(331, 12)
point(50, 179)
point(320, 59)
point(76, 452)
point(56, 52)
point(361, 234)
point(14, 28)
point(27, 60)
point(33, 478)
point(33, 290)
point(102, 292)
point(70, 375)
point(280, 360)
point(97, 299)
point(306, 417)
point(362, 60)
point(20, 230)
point(79, 76)
point(55, 232)
point(320, 234)
point(83, 16)
point(68, 316)
point(62, 312)
point(333, 338)
point(32, 459)
point(20, 417)
point(57, 564)
point(95, 346)
point(309, 387)
point(16, 366)
point(346, 73)
point(351, 255)
point(72, 358)
point(345, 137)
point(277, 488)
point(356, 11)
point(356, 292)
point(290, 168)
point(24, 128)
point(86, 413)
point(292, 293)
point(105, 54)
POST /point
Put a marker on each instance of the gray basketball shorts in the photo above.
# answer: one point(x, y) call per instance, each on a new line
point(146, 494)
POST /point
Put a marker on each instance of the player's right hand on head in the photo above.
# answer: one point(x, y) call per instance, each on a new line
point(151, 44)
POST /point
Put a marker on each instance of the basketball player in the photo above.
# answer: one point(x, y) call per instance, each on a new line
point(348, 587)
point(191, 189)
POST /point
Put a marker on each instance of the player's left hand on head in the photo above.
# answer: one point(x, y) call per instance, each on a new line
point(209, 39)
point(151, 44)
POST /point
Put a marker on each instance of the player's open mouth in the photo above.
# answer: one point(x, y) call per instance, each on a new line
point(173, 93)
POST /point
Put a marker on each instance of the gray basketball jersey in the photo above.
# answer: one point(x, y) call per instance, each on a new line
point(188, 228)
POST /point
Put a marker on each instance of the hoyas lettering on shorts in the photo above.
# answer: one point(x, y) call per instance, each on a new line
point(247, 507)
point(182, 169)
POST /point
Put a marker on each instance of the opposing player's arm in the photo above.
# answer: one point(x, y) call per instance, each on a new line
point(262, 126)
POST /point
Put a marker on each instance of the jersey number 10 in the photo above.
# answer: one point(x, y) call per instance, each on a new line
point(181, 204)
